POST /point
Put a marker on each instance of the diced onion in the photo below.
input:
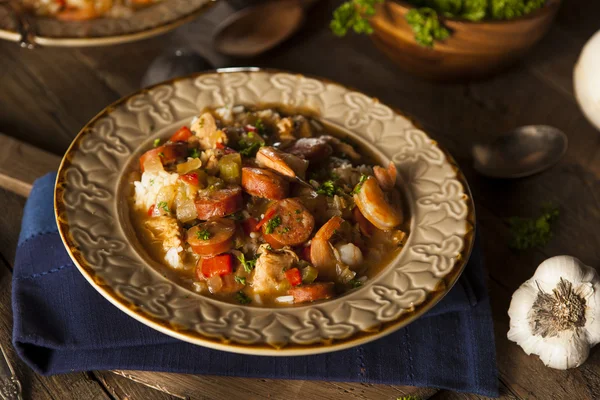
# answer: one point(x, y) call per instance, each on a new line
point(189, 166)
point(215, 283)
point(153, 164)
point(186, 211)
point(285, 299)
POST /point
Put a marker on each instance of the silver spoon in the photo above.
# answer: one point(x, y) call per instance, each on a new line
point(256, 29)
point(521, 152)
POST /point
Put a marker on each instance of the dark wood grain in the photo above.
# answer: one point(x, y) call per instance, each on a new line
point(47, 95)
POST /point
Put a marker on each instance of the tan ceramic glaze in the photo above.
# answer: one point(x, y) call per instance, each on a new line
point(474, 49)
point(93, 217)
point(143, 23)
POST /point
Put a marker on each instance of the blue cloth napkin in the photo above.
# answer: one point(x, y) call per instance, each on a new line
point(61, 324)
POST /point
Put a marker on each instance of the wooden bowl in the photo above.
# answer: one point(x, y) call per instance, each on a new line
point(474, 49)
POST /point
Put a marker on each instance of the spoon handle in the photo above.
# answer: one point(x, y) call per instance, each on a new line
point(25, 26)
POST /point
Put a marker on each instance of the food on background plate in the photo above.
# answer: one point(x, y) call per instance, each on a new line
point(78, 10)
point(264, 207)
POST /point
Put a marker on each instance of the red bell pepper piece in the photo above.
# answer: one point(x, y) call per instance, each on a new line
point(293, 276)
point(182, 135)
point(151, 210)
point(218, 265)
point(270, 212)
point(190, 178)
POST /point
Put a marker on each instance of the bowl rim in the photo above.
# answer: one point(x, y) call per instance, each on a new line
point(384, 329)
point(548, 7)
point(73, 41)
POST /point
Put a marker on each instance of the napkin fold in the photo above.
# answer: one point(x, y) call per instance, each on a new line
point(61, 324)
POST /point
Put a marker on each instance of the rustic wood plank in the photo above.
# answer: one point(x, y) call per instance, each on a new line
point(74, 386)
point(21, 164)
point(213, 387)
point(10, 224)
point(122, 388)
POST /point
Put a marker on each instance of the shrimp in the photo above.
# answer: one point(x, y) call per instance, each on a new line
point(386, 177)
point(286, 164)
point(321, 252)
point(372, 203)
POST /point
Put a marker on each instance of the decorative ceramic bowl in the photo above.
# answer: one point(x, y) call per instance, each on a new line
point(143, 23)
point(93, 217)
point(474, 49)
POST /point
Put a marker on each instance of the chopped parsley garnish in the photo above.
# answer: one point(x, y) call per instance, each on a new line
point(272, 224)
point(362, 180)
point(260, 127)
point(298, 211)
point(203, 234)
point(194, 153)
point(156, 142)
point(163, 206)
point(533, 232)
point(247, 264)
point(285, 230)
point(151, 181)
point(161, 154)
point(242, 298)
point(329, 188)
point(240, 279)
point(249, 149)
point(201, 123)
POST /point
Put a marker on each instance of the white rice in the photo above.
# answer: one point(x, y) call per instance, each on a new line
point(225, 113)
point(285, 299)
point(147, 188)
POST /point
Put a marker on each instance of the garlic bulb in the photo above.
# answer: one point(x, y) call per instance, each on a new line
point(556, 313)
point(586, 80)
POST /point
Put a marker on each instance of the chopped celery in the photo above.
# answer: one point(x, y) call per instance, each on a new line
point(309, 274)
point(230, 168)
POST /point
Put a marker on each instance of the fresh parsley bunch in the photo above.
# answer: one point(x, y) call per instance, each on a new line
point(425, 18)
point(533, 232)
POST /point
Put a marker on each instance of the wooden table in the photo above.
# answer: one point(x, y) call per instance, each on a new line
point(47, 95)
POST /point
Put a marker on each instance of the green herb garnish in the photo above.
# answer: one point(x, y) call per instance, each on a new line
point(298, 211)
point(329, 188)
point(194, 153)
point(362, 180)
point(163, 206)
point(272, 224)
point(248, 265)
point(240, 279)
point(161, 154)
point(242, 298)
point(353, 15)
point(425, 18)
point(285, 230)
point(203, 234)
point(260, 127)
point(156, 142)
point(249, 149)
point(533, 232)
point(151, 181)
point(236, 216)
point(426, 26)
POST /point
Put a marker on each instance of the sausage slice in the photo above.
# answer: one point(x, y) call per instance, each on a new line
point(218, 202)
point(312, 292)
point(261, 182)
point(290, 224)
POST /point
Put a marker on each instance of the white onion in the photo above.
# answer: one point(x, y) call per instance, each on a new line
point(189, 166)
point(215, 283)
point(186, 211)
point(153, 164)
point(586, 79)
